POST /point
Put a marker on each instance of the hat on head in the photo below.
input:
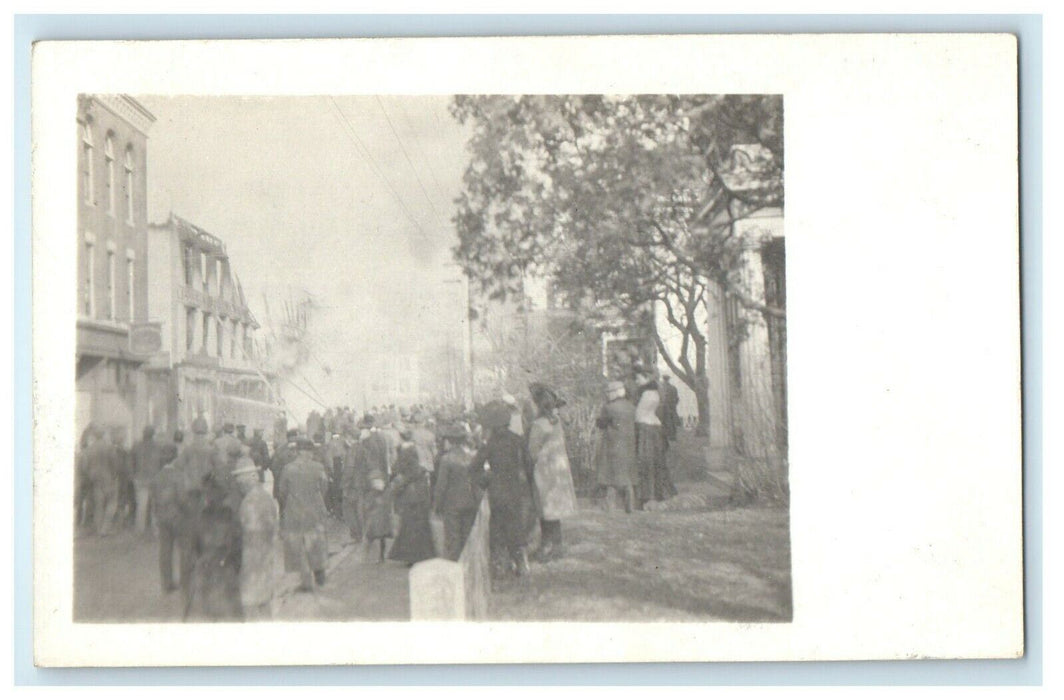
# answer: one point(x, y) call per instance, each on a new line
point(199, 426)
point(544, 396)
point(304, 444)
point(495, 415)
point(366, 422)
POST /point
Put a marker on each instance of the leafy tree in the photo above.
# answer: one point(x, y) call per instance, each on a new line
point(626, 203)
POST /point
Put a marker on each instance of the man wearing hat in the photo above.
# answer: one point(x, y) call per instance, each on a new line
point(284, 454)
point(260, 451)
point(616, 467)
point(258, 515)
point(168, 490)
point(333, 452)
point(456, 498)
point(425, 442)
point(196, 460)
point(100, 471)
point(225, 442)
point(302, 496)
point(146, 464)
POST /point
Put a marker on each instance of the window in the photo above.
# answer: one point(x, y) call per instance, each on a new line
point(188, 264)
point(206, 333)
point(190, 328)
point(129, 185)
point(218, 276)
point(109, 158)
point(203, 270)
point(110, 285)
point(130, 284)
point(86, 148)
point(232, 339)
point(219, 337)
point(90, 279)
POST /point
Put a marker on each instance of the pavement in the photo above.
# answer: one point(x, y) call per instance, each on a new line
point(117, 580)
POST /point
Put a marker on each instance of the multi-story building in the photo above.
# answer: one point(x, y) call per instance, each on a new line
point(113, 337)
point(208, 362)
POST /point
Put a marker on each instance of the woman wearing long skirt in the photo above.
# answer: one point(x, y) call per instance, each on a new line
point(553, 478)
point(655, 482)
point(615, 460)
point(413, 502)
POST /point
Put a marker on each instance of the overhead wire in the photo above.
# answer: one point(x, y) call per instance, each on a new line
point(373, 164)
point(424, 156)
point(406, 155)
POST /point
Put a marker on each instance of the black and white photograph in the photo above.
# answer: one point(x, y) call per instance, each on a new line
point(466, 357)
point(522, 350)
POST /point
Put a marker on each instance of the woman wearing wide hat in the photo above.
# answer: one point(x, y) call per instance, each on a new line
point(503, 466)
point(556, 496)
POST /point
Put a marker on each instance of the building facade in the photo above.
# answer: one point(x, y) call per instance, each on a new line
point(208, 363)
point(114, 338)
point(746, 349)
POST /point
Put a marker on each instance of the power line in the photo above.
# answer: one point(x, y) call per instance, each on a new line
point(406, 155)
point(427, 160)
point(376, 169)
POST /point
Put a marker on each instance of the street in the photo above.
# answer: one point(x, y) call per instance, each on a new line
point(698, 560)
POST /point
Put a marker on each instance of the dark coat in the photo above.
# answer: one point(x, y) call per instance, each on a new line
point(147, 460)
point(455, 489)
point(509, 480)
point(670, 415)
point(510, 491)
point(615, 460)
point(259, 452)
point(214, 591)
point(302, 491)
point(413, 501)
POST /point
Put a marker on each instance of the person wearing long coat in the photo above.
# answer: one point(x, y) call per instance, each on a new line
point(456, 496)
point(615, 460)
point(556, 495)
point(213, 594)
point(655, 482)
point(413, 503)
point(258, 516)
point(504, 466)
point(370, 478)
point(168, 490)
point(303, 516)
point(351, 487)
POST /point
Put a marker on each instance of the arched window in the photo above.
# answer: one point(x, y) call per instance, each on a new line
point(87, 151)
point(109, 157)
point(129, 184)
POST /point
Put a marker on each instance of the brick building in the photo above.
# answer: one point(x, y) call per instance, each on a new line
point(113, 337)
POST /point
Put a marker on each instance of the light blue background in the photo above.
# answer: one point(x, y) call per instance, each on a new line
point(1026, 671)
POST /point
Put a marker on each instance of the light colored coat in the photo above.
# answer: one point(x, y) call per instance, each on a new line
point(258, 529)
point(553, 477)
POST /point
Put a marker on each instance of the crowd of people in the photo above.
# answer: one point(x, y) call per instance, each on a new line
point(405, 482)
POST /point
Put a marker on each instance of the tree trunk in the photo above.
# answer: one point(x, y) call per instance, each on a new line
point(701, 391)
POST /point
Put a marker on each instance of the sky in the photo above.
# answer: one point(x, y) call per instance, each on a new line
point(348, 198)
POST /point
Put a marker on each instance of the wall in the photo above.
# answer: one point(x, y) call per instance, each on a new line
point(112, 229)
